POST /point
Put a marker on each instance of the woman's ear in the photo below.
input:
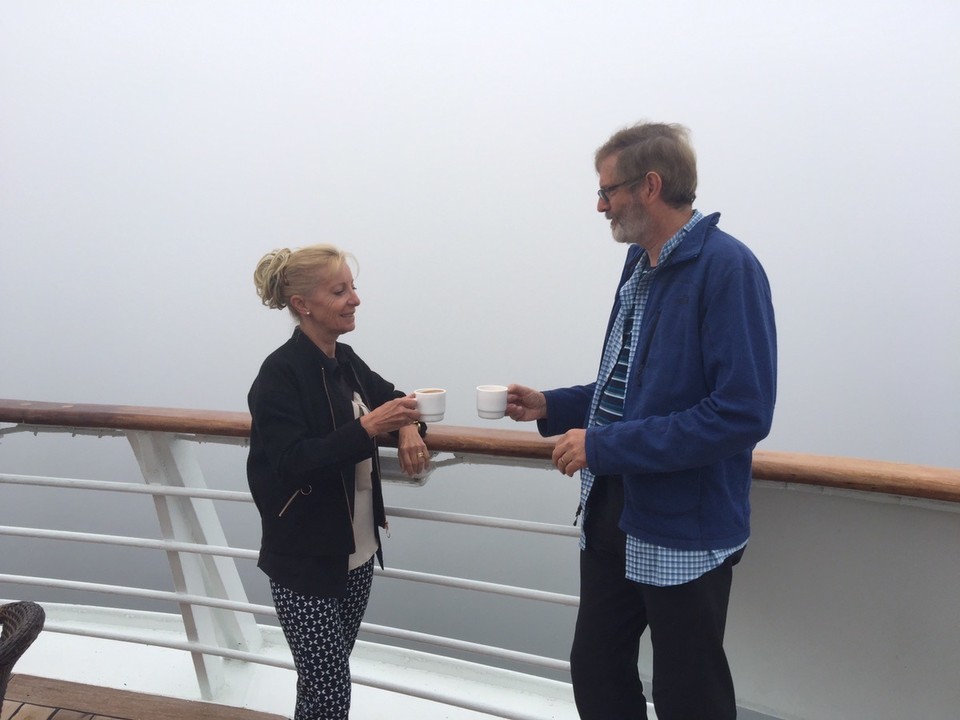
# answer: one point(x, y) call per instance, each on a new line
point(297, 303)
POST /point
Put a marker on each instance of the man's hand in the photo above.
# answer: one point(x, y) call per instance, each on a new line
point(525, 403)
point(570, 452)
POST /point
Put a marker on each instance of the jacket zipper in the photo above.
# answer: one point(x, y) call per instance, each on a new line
point(343, 483)
point(376, 446)
point(298, 491)
point(333, 419)
point(646, 349)
point(638, 368)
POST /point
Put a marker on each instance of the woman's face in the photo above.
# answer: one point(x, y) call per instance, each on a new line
point(332, 305)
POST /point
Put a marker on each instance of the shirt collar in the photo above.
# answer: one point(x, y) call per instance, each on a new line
point(330, 364)
point(672, 243)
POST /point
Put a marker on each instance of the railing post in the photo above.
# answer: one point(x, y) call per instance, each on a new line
point(166, 460)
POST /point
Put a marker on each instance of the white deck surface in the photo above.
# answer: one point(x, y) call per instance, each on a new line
point(163, 671)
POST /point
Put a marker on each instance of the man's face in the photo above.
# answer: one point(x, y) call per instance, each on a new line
point(628, 219)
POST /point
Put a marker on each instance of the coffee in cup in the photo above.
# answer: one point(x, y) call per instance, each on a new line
point(431, 402)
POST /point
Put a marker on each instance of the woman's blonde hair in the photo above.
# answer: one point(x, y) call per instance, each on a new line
point(283, 273)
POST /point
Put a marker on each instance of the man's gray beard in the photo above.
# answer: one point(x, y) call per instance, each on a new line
point(629, 229)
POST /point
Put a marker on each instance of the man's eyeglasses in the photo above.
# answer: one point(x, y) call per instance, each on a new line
point(606, 191)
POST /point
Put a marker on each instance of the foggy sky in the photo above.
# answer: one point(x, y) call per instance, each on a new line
point(151, 152)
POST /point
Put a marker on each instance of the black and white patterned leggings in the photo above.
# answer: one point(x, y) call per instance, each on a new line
point(321, 632)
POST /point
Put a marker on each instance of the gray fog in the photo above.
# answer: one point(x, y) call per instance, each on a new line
point(151, 152)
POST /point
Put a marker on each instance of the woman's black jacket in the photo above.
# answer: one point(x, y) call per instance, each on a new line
point(304, 445)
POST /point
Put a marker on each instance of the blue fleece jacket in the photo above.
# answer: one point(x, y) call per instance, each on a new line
point(699, 396)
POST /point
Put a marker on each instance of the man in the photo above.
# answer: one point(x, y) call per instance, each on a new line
point(663, 439)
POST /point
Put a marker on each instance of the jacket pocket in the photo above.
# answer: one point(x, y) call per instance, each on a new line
point(305, 490)
point(675, 493)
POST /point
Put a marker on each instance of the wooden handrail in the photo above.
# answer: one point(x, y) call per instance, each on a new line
point(126, 417)
point(918, 481)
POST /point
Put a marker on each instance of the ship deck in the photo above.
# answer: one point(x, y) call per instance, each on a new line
point(35, 698)
point(96, 677)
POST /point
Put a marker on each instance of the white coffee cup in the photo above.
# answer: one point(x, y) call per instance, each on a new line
point(491, 401)
point(431, 402)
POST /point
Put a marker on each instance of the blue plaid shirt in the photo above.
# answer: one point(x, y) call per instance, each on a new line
point(645, 563)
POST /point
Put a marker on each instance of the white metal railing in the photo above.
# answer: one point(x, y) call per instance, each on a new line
point(839, 547)
point(220, 624)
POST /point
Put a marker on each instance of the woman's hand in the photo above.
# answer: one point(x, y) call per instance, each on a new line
point(391, 416)
point(412, 451)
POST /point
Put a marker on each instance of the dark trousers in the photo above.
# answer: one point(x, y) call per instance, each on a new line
point(691, 678)
point(321, 633)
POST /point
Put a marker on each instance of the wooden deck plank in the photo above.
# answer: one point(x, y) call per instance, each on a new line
point(74, 701)
point(71, 715)
point(30, 712)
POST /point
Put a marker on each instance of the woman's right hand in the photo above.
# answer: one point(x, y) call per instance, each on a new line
point(391, 416)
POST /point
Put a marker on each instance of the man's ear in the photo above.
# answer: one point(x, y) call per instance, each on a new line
point(651, 186)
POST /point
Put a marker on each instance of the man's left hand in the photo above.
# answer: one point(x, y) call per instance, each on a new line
point(570, 452)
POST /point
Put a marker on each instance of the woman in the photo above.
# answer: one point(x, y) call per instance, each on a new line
point(313, 470)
